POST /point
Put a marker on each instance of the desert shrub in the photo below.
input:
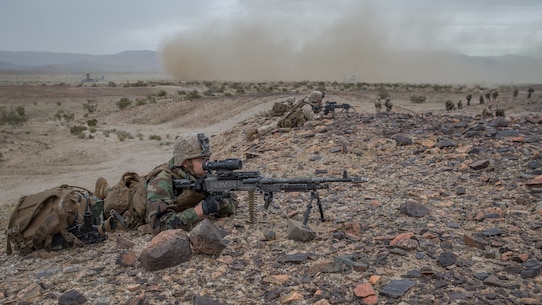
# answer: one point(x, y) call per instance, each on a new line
point(92, 129)
point(155, 137)
point(192, 95)
point(181, 92)
point(64, 115)
point(418, 99)
point(77, 130)
point(112, 84)
point(139, 135)
point(92, 123)
point(15, 118)
point(141, 101)
point(162, 93)
point(123, 135)
point(123, 103)
point(139, 83)
point(90, 106)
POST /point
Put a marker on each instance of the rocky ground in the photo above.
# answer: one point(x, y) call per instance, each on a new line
point(451, 214)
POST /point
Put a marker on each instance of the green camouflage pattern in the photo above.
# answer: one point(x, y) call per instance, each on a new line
point(168, 210)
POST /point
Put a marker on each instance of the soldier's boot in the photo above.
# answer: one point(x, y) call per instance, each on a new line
point(101, 188)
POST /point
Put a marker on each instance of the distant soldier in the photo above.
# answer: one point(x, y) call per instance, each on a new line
point(488, 97)
point(486, 113)
point(378, 105)
point(468, 97)
point(388, 104)
point(530, 92)
point(516, 92)
point(481, 99)
point(494, 95)
point(449, 105)
point(460, 105)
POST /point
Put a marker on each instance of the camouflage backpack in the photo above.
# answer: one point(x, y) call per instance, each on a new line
point(53, 219)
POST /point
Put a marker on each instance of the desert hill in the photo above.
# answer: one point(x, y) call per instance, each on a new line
point(451, 212)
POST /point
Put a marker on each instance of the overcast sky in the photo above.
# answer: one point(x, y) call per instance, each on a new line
point(285, 39)
point(473, 27)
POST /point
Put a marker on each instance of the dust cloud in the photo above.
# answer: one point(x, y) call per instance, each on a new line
point(359, 46)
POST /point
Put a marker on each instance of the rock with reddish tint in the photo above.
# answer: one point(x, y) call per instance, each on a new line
point(127, 259)
point(167, 249)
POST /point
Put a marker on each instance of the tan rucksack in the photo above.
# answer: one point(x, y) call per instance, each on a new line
point(121, 199)
point(280, 108)
point(295, 117)
point(53, 219)
point(129, 196)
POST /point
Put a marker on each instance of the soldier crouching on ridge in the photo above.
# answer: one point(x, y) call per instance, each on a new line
point(305, 110)
point(164, 206)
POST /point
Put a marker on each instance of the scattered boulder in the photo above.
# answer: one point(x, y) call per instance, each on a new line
point(167, 249)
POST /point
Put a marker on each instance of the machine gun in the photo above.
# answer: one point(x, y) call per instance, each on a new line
point(223, 179)
point(330, 106)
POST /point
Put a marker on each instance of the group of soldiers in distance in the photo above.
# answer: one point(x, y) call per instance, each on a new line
point(387, 103)
point(489, 96)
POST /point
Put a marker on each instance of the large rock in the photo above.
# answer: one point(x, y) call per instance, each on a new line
point(206, 239)
point(299, 232)
point(167, 249)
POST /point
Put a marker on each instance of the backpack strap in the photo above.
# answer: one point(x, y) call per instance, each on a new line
point(10, 231)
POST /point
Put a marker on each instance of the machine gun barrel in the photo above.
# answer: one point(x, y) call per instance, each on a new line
point(224, 179)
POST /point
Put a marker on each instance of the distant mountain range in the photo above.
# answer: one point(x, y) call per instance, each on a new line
point(127, 61)
point(456, 68)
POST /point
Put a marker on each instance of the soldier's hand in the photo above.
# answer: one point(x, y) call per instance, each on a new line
point(210, 205)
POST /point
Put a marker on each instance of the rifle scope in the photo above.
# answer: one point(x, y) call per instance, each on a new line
point(227, 164)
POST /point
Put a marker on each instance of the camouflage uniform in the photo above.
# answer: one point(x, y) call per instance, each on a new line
point(303, 111)
point(449, 105)
point(468, 97)
point(388, 104)
point(168, 208)
point(378, 105)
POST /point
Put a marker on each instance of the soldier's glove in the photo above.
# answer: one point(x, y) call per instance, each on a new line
point(210, 205)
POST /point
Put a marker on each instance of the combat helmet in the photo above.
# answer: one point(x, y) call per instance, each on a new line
point(191, 147)
point(316, 96)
